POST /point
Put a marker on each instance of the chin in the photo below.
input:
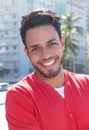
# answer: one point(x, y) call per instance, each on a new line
point(51, 73)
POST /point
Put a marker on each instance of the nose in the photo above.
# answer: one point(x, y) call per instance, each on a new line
point(46, 53)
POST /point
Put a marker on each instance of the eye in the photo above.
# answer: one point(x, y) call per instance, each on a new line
point(35, 49)
point(52, 43)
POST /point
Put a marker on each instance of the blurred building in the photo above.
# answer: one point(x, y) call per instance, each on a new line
point(14, 63)
point(81, 9)
point(88, 33)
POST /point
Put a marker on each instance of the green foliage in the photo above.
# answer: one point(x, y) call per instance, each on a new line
point(71, 31)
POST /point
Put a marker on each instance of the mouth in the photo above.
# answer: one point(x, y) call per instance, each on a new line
point(49, 63)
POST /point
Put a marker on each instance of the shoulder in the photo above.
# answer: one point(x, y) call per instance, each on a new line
point(22, 89)
point(83, 78)
point(19, 99)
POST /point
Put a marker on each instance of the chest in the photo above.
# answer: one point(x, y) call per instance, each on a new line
point(54, 111)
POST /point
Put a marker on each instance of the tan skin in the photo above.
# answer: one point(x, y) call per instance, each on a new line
point(45, 50)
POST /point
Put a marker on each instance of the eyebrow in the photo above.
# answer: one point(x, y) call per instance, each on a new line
point(33, 46)
point(51, 40)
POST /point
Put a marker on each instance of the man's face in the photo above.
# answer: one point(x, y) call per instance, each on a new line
point(45, 50)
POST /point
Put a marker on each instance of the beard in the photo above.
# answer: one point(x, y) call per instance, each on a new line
point(50, 73)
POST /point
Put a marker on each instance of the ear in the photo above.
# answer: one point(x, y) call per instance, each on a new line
point(63, 41)
point(26, 51)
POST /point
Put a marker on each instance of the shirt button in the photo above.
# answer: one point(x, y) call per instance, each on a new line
point(67, 105)
point(70, 115)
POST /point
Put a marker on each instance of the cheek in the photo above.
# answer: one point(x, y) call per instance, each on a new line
point(34, 60)
point(59, 51)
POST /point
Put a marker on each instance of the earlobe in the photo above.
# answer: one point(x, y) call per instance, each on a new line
point(25, 50)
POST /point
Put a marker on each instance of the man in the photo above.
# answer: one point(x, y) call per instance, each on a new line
point(50, 98)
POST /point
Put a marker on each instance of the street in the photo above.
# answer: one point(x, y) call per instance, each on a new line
point(3, 123)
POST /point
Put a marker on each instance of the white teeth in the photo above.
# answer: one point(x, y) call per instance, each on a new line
point(49, 63)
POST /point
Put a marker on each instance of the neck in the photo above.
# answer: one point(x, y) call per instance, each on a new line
point(57, 81)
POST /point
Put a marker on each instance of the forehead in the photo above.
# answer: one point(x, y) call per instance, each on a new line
point(41, 34)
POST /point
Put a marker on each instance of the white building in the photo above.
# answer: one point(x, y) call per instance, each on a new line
point(79, 7)
point(14, 63)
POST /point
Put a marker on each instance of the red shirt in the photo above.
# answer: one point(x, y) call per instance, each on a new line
point(33, 105)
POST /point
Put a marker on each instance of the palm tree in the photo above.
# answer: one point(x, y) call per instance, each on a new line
point(70, 30)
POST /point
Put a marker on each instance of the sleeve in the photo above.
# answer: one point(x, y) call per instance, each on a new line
point(20, 111)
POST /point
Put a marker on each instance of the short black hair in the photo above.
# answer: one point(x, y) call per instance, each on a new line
point(37, 18)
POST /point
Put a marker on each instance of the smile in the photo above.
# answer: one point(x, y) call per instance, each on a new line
point(49, 63)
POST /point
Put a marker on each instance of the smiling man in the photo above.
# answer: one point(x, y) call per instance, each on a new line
point(50, 98)
point(45, 50)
